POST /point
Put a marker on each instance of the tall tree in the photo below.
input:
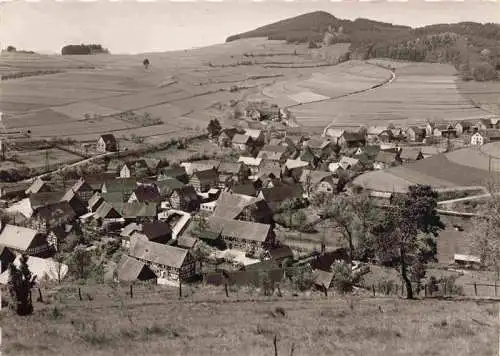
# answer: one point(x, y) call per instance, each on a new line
point(20, 283)
point(214, 128)
point(405, 235)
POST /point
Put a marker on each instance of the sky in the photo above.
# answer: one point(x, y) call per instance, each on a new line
point(135, 27)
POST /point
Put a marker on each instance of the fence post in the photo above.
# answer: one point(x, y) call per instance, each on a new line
point(40, 298)
point(226, 290)
point(80, 293)
point(131, 292)
point(425, 290)
point(495, 288)
point(475, 288)
point(180, 289)
point(373, 289)
point(444, 289)
point(275, 343)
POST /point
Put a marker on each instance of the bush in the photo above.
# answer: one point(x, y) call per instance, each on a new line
point(484, 72)
point(342, 277)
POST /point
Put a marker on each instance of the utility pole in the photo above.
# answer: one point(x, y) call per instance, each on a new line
point(46, 160)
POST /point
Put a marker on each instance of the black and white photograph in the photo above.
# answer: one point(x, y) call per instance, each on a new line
point(251, 178)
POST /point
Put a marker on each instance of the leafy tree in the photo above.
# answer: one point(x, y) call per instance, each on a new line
point(11, 49)
point(214, 128)
point(80, 264)
point(20, 283)
point(405, 235)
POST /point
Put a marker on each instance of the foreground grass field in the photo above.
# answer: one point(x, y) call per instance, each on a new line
point(160, 324)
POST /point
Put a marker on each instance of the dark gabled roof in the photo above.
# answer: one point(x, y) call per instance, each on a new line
point(492, 133)
point(322, 278)
point(147, 193)
point(274, 148)
point(137, 209)
point(119, 184)
point(262, 266)
point(324, 261)
point(353, 136)
point(156, 230)
point(371, 150)
point(245, 230)
point(62, 209)
point(96, 180)
point(410, 153)
point(239, 139)
point(129, 269)
point(244, 189)
point(173, 171)
point(230, 205)
point(18, 187)
point(81, 185)
point(105, 211)
point(38, 200)
point(209, 175)
point(109, 139)
point(161, 254)
point(230, 132)
point(187, 193)
point(282, 192)
point(209, 235)
point(168, 185)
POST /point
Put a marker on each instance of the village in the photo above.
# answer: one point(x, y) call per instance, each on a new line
point(232, 217)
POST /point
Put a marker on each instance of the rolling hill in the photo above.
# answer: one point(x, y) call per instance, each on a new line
point(473, 48)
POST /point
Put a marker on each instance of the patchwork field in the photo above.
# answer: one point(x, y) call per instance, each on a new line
point(420, 91)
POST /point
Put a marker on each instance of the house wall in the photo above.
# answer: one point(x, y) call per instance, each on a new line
point(476, 140)
point(38, 245)
point(325, 187)
point(125, 172)
point(101, 145)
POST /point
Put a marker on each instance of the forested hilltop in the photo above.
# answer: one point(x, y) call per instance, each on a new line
point(473, 48)
point(83, 49)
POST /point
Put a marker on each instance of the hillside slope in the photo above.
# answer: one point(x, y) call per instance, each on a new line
point(473, 48)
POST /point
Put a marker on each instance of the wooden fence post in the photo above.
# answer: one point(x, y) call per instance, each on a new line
point(80, 293)
point(180, 290)
point(373, 289)
point(275, 343)
point(425, 290)
point(279, 290)
point(226, 290)
point(495, 288)
point(475, 289)
point(444, 289)
point(326, 291)
point(131, 292)
point(40, 298)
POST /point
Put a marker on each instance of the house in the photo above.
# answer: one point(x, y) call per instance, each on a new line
point(488, 123)
point(254, 164)
point(123, 186)
point(348, 162)
point(249, 188)
point(106, 213)
point(42, 268)
point(246, 235)
point(273, 153)
point(334, 134)
point(310, 157)
point(187, 242)
point(415, 134)
point(477, 139)
point(38, 186)
point(77, 204)
point(384, 159)
point(202, 165)
point(140, 211)
point(13, 190)
point(51, 216)
point(167, 186)
point(107, 143)
point(322, 279)
point(280, 254)
point(242, 142)
point(463, 127)
point(145, 193)
point(130, 269)
point(243, 207)
point(159, 232)
point(352, 139)
point(185, 199)
point(94, 202)
point(276, 195)
point(83, 189)
point(410, 154)
point(167, 262)
point(127, 231)
point(59, 234)
point(173, 172)
point(320, 147)
point(23, 240)
point(318, 181)
point(257, 136)
point(492, 135)
point(226, 137)
point(202, 181)
point(137, 168)
point(373, 132)
point(232, 173)
point(7, 256)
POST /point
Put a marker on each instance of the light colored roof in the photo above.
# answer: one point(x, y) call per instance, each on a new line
point(239, 138)
point(466, 258)
point(348, 161)
point(254, 134)
point(245, 230)
point(375, 130)
point(314, 176)
point(104, 210)
point(230, 205)
point(40, 267)
point(332, 167)
point(334, 132)
point(130, 228)
point(295, 163)
point(230, 167)
point(250, 161)
point(186, 241)
point(383, 195)
point(181, 223)
point(17, 237)
point(165, 255)
point(35, 186)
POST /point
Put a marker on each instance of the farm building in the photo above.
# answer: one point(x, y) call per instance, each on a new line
point(477, 139)
point(254, 164)
point(318, 181)
point(42, 268)
point(106, 212)
point(125, 186)
point(185, 199)
point(83, 189)
point(23, 240)
point(38, 186)
point(145, 193)
point(202, 165)
point(159, 232)
point(231, 173)
point(138, 211)
point(352, 139)
point(203, 181)
point(257, 136)
point(275, 196)
point(273, 153)
point(167, 262)
point(130, 269)
point(242, 142)
point(226, 137)
point(245, 235)
point(410, 154)
point(173, 172)
point(242, 207)
point(138, 168)
point(463, 126)
point(107, 143)
point(384, 160)
point(320, 147)
point(415, 134)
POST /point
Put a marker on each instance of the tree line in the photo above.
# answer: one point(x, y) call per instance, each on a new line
point(83, 49)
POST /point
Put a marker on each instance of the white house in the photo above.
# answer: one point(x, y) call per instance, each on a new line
point(477, 139)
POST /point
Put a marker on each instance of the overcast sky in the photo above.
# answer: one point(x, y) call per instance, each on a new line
point(133, 27)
